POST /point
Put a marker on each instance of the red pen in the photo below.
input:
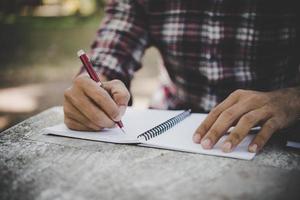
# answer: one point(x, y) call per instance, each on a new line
point(89, 68)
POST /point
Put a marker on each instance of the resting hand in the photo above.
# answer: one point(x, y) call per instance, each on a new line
point(246, 109)
point(89, 107)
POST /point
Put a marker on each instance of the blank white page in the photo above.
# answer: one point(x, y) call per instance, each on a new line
point(180, 138)
point(136, 121)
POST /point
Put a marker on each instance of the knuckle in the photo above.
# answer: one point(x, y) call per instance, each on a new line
point(123, 94)
point(256, 98)
point(213, 131)
point(268, 111)
point(78, 80)
point(214, 112)
point(248, 118)
point(67, 93)
point(124, 91)
point(271, 125)
point(99, 97)
point(121, 98)
point(239, 92)
point(116, 82)
point(70, 95)
point(229, 114)
point(83, 82)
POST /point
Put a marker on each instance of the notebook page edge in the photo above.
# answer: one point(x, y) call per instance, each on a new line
point(236, 155)
point(53, 130)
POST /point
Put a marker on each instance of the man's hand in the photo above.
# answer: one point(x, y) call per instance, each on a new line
point(87, 106)
point(246, 109)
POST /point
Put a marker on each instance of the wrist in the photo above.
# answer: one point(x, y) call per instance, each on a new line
point(292, 99)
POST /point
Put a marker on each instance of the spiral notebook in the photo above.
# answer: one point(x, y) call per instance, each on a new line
point(163, 129)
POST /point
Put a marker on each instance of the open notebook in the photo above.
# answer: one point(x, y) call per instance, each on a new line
point(171, 130)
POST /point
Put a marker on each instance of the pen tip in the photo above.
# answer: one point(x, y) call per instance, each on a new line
point(80, 53)
point(122, 130)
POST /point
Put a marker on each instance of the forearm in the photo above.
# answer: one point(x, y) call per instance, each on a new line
point(121, 41)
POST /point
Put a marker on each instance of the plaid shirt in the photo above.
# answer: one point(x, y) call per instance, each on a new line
point(209, 47)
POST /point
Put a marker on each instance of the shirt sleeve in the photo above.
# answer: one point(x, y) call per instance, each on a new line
point(121, 40)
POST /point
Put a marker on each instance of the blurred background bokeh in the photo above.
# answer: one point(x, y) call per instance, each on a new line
point(38, 44)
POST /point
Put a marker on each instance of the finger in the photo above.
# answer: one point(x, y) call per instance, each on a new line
point(89, 109)
point(224, 122)
point(213, 116)
point(270, 127)
point(102, 99)
point(75, 125)
point(243, 127)
point(72, 112)
point(118, 91)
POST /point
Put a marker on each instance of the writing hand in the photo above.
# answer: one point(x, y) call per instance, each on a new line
point(89, 107)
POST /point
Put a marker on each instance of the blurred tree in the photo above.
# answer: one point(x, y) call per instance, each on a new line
point(15, 6)
point(49, 7)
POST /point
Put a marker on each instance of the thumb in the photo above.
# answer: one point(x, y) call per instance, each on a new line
point(119, 94)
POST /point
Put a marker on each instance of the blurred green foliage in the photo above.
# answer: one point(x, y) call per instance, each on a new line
point(42, 48)
point(12, 8)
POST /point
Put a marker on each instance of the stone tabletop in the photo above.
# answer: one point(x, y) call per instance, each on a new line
point(37, 166)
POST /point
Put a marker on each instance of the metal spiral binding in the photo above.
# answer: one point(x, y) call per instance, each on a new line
point(159, 129)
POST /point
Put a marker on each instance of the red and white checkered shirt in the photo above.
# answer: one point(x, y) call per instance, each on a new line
point(209, 47)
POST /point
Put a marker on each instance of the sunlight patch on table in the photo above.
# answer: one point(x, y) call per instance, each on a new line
point(19, 99)
point(4, 121)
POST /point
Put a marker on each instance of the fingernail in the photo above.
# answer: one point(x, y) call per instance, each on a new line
point(253, 148)
point(197, 138)
point(227, 147)
point(206, 144)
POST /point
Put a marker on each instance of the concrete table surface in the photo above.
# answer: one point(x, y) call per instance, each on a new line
point(37, 166)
